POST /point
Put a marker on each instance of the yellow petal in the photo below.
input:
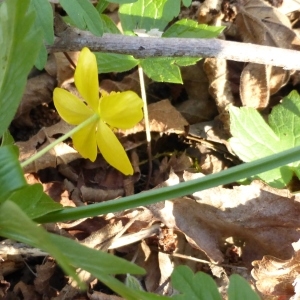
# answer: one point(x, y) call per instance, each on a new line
point(70, 108)
point(121, 110)
point(86, 78)
point(85, 142)
point(112, 150)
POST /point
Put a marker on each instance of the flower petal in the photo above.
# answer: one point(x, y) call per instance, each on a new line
point(70, 108)
point(121, 110)
point(84, 141)
point(86, 78)
point(112, 150)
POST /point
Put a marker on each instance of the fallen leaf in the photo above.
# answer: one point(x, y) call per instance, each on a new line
point(259, 23)
point(44, 273)
point(163, 117)
point(266, 219)
point(275, 276)
point(61, 153)
point(38, 90)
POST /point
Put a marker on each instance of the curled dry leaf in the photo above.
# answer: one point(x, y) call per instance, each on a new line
point(207, 11)
point(38, 90)
point(61, 153)
point(219, 88)
point(264, 219)
point(259, 23)
point(198, 107)
point(275, 276)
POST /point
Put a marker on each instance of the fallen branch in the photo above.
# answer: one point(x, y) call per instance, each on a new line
point(142, 47)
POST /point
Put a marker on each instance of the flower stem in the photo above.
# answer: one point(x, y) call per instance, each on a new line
point(147, 125)
point(34, 157)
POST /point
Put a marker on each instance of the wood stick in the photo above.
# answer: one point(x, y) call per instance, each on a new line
point(143, 47)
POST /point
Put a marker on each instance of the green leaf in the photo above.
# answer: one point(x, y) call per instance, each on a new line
point(253, 138)
point(199, 286)
point(84, 15)
point(148, 14)
point(95, 262)
point(11, 174)
point(41, 58)
point(16, 225)
point(186, 28)
point(17, 37)
point(111, 62)
point(133, 283)
point(44, 19)
point(36, 203)
point(101, 6)
point(108, 25)
point(7, 139)
point(239, 288)
point(187, 3)
point(166, 69)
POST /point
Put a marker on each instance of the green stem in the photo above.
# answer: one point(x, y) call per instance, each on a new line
point(59, 140)
point(185, 188)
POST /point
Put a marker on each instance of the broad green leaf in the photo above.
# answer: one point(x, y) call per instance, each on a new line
point(44, 19)
point(7, 139)
point(11, 173)
point(199, 286)
point(18, 39)
point(253, 138)
point(133, 282)
point(36, 203)
point(239, 289)
point(41, 58)
point(93, 261)
point(108, 25)
point(187, 3)
point(112, 62)
point(148, 14)
point(16, 225)
point(127, 293)
point(166, 69)
point(84, 15)
point(101, 6)
point(191, 29)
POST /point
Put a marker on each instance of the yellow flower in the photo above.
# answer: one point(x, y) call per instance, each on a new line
point(116, 110)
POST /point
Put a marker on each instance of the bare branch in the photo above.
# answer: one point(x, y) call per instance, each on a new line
point(142, 47)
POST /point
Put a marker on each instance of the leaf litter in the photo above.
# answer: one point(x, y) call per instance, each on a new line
point(220, 231)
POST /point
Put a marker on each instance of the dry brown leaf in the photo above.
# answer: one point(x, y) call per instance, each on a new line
point(43, 275)
point(163, 117)
point(275, 276)
point(208, 10)
point(266, 220)
point(198, 107)
point(91, 195)
point(61, 153)
point(65, 70)
point(101, 296)
point(259, 23)
point(219, 88)
point(38, 90)
point(26, 290)
point(129, 82)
